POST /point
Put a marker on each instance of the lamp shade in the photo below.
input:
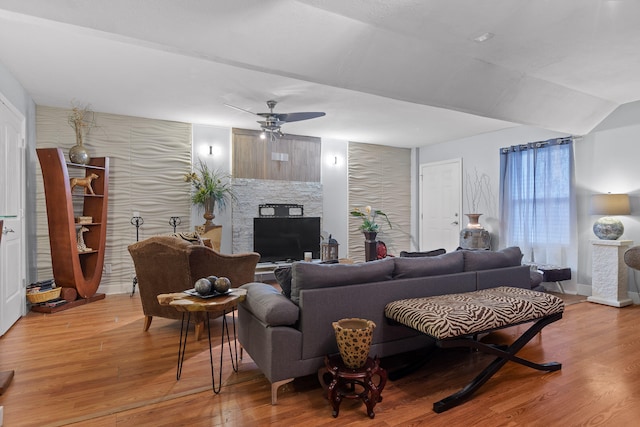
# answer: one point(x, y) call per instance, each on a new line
point(610, 204)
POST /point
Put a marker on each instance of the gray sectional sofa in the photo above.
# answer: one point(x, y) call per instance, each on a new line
point(289, 337)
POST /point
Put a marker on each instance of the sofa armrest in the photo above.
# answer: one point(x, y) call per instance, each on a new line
point(269, 305)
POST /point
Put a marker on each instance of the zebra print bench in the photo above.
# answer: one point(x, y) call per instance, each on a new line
point(455, 321)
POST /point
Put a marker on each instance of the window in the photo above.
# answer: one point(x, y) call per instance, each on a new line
point(536, 196)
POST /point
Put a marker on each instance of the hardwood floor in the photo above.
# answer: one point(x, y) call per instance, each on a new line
point(94, 366)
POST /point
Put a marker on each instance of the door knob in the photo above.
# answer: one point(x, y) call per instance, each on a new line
point(454, 223)
point(6, 230)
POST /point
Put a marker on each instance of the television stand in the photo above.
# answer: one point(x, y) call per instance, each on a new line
point(264, 270)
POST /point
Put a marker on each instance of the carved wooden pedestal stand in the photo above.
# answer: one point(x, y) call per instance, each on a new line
point(355, 383)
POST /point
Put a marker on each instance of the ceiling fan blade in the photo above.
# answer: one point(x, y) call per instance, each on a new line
point(296, 117)
point(241, 109)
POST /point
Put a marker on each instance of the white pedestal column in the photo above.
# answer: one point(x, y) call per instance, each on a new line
point(609, 273)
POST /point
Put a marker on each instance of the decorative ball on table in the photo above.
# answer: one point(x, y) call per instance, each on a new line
point(222, 285)
point(203, 286)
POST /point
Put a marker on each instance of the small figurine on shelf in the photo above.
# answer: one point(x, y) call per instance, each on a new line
point(83, 182)
point(82, 247)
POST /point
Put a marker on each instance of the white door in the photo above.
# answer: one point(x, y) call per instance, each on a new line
point(440, 205)
point(12, 254)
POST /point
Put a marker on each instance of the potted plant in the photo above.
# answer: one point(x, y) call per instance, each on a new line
point(370, 229)
point(369, 215)
point(210, 187)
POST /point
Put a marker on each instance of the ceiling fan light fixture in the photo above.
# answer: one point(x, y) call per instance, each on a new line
point(263, 135)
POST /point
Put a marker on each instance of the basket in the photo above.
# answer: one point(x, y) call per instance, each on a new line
point(37, 297)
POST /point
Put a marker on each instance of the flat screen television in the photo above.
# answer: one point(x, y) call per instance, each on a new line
point(286, 239)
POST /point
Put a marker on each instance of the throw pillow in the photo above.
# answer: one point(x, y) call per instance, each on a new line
point(487, 260)
point(283, 277)
point(434, 252)
point(407, 267)
point(191, 237)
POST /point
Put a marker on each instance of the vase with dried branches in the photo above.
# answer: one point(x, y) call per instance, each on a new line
point(478, 192)
point(82, 120)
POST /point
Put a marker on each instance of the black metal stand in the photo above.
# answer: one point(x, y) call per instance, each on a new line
point(137, 221)
point(175, 221)
point(503, 356)
point(184, 329)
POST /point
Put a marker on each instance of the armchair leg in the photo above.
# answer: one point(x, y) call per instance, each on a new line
point(147, 322)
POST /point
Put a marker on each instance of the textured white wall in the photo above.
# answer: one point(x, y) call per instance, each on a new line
point(380, 177)
point(148, 159)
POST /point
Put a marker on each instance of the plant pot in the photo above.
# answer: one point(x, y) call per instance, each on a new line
point(209, 205)
point(354, 340)
point(370, 245)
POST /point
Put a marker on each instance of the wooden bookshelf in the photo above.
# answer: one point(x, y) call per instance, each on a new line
point(81, 270)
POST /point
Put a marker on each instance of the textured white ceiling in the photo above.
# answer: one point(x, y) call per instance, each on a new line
point(401, 72)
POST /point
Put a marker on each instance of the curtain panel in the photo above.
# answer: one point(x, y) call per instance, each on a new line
point(537, 200)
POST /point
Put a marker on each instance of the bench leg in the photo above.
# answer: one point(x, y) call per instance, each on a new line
point(503, 357)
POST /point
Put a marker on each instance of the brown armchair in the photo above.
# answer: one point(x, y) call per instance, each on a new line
point(166, 264)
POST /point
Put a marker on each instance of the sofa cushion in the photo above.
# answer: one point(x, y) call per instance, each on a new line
point(487, 260)
point(283, 277)
point(306, 275)
point(408, 267)
point(434, 252)
point(269, 305)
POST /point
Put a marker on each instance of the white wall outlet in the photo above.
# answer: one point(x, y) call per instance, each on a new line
point(107, 269)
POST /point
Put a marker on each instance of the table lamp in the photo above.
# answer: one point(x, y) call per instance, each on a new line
point(607, 227)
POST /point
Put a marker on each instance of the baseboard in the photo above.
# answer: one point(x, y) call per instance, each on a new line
point(586, 290)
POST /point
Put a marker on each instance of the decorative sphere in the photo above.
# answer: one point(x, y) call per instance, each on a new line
point(203, 286)
point(212, 279)
point(222, 285)
point(608, 228)
point(78, 154)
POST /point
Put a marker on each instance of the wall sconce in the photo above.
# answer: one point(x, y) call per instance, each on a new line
point(607, 227)
point(209, 149)
point(333, 160)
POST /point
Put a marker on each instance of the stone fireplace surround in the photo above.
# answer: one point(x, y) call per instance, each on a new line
point(251, 193)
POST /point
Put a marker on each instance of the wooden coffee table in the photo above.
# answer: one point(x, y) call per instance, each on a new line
point(200, 308)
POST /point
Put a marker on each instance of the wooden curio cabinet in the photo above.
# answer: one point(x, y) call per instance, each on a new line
point(72, 267)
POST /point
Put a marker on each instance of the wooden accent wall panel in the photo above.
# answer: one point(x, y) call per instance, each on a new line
point(253, 157)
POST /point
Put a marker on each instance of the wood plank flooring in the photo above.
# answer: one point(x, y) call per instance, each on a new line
point(94, 366)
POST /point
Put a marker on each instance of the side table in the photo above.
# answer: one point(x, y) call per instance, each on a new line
point(200, 307)
point(355, 383)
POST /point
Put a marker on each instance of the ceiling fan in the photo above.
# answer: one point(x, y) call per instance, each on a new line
point(273, 121)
